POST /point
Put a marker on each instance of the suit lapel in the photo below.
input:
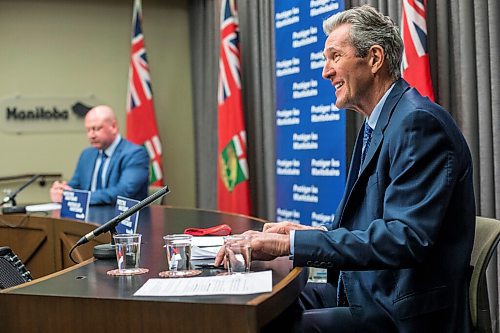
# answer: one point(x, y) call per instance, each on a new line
point(400, 87)
point(113, 161)
point(356, 170)
point(89, 171)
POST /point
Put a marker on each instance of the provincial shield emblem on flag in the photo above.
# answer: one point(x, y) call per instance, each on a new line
point(233, 165)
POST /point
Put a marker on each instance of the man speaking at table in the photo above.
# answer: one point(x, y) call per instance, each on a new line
point(112, 166)
point(399, 250)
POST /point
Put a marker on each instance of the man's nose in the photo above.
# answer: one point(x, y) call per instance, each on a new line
point(328, 71)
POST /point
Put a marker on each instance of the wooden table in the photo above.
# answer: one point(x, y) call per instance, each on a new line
point(84, 298)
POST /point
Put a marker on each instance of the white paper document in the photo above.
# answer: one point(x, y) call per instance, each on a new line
point(43, 207)
point(238, 284)
point(209, 252)
point(205, 247)
point(202, 241)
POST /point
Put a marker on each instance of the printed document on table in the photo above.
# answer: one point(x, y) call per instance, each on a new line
point(203, 241)
point(237, 284)
point(205, 247)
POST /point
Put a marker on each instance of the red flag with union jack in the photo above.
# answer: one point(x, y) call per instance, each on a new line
point(416, 69)
point(233, 193)
point(141, 120)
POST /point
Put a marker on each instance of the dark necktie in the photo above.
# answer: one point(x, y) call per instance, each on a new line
point(98, 184)
point(367, 138)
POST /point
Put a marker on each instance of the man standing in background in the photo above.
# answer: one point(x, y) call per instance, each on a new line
point(112, 166)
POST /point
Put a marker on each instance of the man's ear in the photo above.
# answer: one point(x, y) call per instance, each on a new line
point(377, 58)
point(114, 126)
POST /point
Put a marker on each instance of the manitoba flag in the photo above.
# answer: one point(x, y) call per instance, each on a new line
point(232, 185)
point(141, 120)
point(416, 69)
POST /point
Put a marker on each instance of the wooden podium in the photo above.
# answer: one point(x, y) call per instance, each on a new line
point(83, 297)
point(43, 243)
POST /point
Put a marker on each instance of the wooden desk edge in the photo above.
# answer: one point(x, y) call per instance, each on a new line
point(284, 293)
point(278, 287)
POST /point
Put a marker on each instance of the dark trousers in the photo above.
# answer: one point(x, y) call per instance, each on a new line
point(316, 311)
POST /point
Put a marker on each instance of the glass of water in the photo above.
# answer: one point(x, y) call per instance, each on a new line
point(238, 254)
point(178, 251)
point(128, 252)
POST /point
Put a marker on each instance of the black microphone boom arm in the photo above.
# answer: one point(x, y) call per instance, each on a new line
point(11, 197)
point(114, 222)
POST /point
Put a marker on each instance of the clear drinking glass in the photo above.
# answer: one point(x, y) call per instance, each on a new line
point(178, 251)
point(128, 252)
point(238, 254)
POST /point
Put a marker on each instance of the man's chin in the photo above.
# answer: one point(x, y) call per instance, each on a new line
point(339, 104)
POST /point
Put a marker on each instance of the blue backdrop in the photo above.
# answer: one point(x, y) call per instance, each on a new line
point(310, 130)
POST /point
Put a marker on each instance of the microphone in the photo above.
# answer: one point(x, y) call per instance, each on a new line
point(31, 208)
point(14, 210)
point(12, 196)
point(111, 224)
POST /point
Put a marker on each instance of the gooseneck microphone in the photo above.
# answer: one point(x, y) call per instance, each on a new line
point(12, 197)
point(111, 224)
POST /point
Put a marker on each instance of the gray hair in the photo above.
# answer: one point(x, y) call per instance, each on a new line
point(368, 28)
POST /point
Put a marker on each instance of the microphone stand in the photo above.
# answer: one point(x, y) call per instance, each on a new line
point(12, 197)
point(107, 251)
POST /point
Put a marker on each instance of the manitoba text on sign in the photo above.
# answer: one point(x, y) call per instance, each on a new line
point(310, 130)
point(27, 114)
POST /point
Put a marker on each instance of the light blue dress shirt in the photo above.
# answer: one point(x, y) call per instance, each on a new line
point(109, 152)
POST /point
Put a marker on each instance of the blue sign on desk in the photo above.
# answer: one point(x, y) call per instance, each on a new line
point(75, 204)
point(129, 225)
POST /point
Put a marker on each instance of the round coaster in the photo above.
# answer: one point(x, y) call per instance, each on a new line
point(179, 274)
point(116, 272)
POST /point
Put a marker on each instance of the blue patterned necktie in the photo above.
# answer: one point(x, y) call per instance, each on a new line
point(98, 184)
point(367, 138)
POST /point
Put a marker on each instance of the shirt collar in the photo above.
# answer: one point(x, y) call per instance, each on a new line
point(111, 149)
point(373, 118)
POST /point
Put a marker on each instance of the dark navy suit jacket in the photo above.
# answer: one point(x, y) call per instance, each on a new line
point(404, 230)
point(127, 173)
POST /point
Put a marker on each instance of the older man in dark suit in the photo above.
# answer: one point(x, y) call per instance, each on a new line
point(399, 250)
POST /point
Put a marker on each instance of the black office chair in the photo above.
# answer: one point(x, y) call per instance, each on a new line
point(12, 270)
point(485, 244)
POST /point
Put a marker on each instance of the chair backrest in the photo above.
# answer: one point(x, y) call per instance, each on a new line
point(12, 270)
point(151, 190)
point(485, 243)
